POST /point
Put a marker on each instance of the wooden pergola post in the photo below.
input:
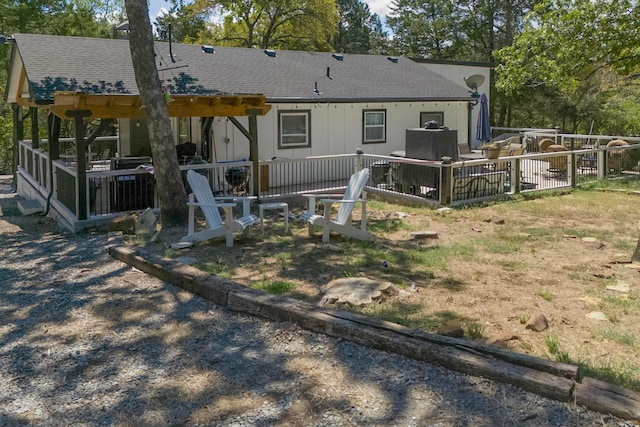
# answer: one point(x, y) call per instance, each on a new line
point(81, 160)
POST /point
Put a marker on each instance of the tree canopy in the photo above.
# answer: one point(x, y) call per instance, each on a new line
point(567, 63)
point(575, 58)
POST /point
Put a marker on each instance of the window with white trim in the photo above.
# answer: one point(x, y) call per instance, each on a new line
point(294, 128)
point(374, 129)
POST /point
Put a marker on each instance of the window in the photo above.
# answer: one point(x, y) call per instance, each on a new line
point(375, 126)
point(184, 130)
point(294, 129)
point(427, 116)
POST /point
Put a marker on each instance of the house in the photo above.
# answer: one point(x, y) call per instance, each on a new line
point(232, 103)
point(460, 71)
point(322, 103)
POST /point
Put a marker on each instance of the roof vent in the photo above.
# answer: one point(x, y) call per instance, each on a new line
point(393, 59)
point(270, 52)
point(338, 56)
point(208, 49)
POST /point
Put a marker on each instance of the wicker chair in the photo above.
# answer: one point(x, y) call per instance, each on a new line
point(616, 158)
point(557, 164)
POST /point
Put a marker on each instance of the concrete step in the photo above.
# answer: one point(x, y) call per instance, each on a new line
point(29, 207)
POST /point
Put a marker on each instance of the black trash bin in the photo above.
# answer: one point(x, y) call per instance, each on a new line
point(380, 172)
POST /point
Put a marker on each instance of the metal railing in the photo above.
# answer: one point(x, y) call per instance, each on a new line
point(111, 192)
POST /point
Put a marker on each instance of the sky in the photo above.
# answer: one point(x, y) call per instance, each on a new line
point(380, 7)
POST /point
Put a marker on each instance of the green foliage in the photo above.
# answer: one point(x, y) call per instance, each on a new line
point(358, 30)
point(545, 294)
point(280, 24)
point(566, 64)
point(6, 143)
point(272, 287)
point(467, 30)
point(475, 331)
point(188, 23)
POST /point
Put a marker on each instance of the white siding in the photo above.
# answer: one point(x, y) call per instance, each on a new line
point(335, 129)
point(457, 73)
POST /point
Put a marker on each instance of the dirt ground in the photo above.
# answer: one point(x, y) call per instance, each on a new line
point(87, 340)
point(565, 257)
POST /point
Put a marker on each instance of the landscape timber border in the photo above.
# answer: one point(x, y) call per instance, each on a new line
point(553, 380)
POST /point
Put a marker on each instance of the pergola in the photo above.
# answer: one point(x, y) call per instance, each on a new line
point(79, 106)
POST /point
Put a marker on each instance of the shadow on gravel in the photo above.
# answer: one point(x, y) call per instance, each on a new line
point(86, 339)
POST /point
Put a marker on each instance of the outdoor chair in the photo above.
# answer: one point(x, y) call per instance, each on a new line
point(616, 158)
point(558, 164)
point(202, 197)
point(342, 222)
point(544, 144)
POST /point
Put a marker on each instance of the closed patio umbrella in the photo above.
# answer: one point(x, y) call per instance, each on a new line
point(483, 132)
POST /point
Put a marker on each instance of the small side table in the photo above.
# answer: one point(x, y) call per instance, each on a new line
point(282, 205)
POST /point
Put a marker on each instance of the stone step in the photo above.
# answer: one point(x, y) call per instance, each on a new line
point(29, 207)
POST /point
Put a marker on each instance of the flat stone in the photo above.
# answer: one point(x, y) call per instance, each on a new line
point(424, 235)
point(332, 248)
point(597, 315)
point(356, 291)
point(619, 287)
point(501, 340)
point(187, 260)
point(589, 239)
point(29, 207)
point(181, 245)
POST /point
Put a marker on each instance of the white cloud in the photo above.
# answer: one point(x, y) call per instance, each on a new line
point(379, 7)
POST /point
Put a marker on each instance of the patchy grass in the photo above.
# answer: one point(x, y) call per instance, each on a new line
point(491, 268)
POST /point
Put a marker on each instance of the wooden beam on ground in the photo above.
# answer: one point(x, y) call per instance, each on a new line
point(603, 397)
point(547, 378)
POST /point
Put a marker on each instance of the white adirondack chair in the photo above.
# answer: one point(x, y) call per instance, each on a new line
point(202, 197)
point(342, 222)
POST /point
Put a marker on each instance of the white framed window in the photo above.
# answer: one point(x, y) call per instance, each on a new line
point(374, 129)
point(294, 128)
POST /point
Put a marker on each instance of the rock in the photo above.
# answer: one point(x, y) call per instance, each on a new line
point(619, 287)
point(356, 291)
point(181, 245)
point(442, 211)
point(126, 224)
point(332, 248)
point(146, 223)
point(597, 315)
point(595, 245)
point(402, 215)
point(500, 340)
point(538, 323)
point(424, 235)
point(451, 328)
point(187, 260)
point(589, 239)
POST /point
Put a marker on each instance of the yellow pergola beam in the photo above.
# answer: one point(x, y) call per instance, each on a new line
point(130, 106)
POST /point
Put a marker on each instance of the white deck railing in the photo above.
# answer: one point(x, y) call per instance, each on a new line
point(111, 192)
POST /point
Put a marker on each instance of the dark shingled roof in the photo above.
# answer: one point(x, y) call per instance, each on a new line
point(95, 66)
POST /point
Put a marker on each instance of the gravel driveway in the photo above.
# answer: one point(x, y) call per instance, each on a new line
point(88, 341)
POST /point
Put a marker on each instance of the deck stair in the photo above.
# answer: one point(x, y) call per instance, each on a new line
point(29, 206)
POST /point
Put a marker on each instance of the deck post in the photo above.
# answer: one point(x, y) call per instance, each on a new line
point(446, 181)
point(81, 161)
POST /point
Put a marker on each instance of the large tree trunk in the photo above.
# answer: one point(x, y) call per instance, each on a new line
point(171, 192)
